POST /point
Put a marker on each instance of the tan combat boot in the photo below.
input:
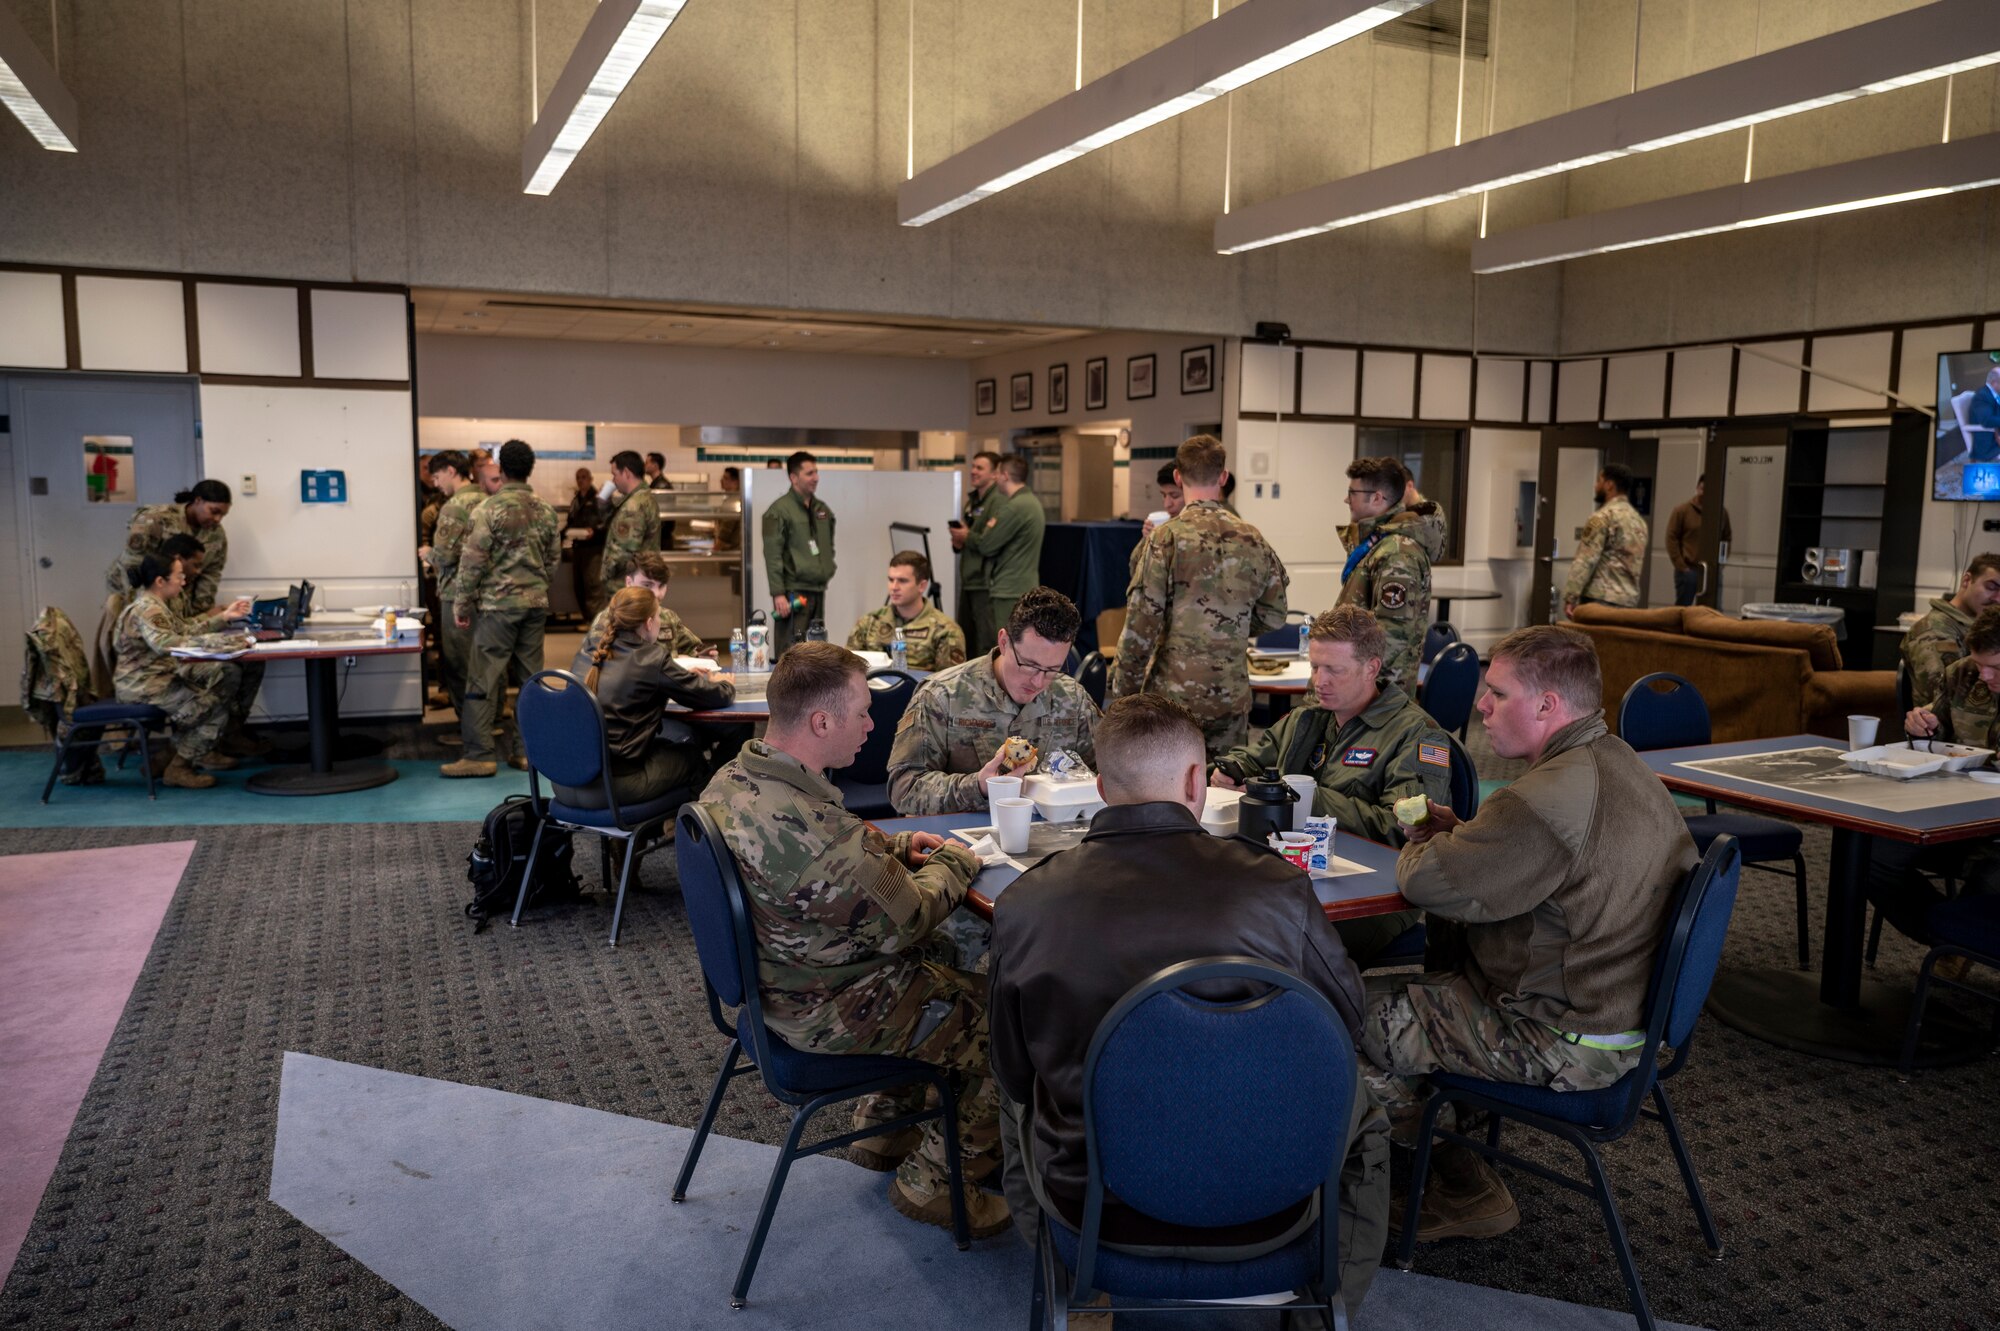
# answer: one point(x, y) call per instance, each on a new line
point(884, 1151)
point(468, 767)
point(179, 774)
point(218, 761)
point(985, 1213)
point(1464, 1198)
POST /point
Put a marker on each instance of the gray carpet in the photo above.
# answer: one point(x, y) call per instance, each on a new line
point(1848, 1200)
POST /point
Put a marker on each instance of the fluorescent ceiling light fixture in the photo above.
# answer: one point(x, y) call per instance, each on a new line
point(1930, 42)
point(30, 89)
point(616, 41)
point(1256, 38)
point(1872, 182)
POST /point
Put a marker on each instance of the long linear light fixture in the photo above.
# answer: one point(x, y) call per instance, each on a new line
point(1871, 182)
point(1946, 37)
point(616, 41)
point(1256, 38)
point(31, 90)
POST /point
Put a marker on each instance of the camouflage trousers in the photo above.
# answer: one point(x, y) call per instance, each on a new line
point(958, 1044)
point(244, 679)
point(500, 639)
point(1220, 734)
point(197, 703)
point(1417, 1024)
point(454, 646)
point(788, 629)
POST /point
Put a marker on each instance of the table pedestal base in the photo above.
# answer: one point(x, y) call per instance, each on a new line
point(1783, 1007)
point(338, 780)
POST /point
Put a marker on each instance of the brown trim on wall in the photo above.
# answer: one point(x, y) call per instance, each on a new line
point(1735, 366)
point(145, 274)
point(1471, 396)
point(1603, 385)
point(1805, 376)
point(1896, 364)
point(72, 329)
point(285, 381)
point(1394, 346)
point(305, 333)
point(1797, 334)
point(192, 324)
point(1978, 333)
point(1298, 381)
point(1417, 389)
point(1527, 389)
point(1667, 388)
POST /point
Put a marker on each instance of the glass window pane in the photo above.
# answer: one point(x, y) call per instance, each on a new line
point(109, 476)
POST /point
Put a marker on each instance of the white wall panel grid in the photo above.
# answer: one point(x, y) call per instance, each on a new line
point(1764, 385)
point(1327, 380)
point(1701, 381)
point(126, 323)
point(31, 321)
point(1445, 390)
point(1389, 384)
point(359, 335)
point(249, 330)
point(1839, 363)
point(1270, 374)
point(1579, 389)
point(1501, 386)
point(1541, 378)
point(1918, 378)
point(1635, 387)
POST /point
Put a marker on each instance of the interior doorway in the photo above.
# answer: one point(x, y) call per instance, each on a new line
point(1572, 456)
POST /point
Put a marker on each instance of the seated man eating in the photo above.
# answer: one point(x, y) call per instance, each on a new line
point(951, 739)
point(1562, 883)
point(1365, 743)
point(849, 956)
point(1147, 889)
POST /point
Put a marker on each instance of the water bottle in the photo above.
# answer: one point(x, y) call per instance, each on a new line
point(899, 650)
point(816, 631)
point(1304, 629)
point(736, 658)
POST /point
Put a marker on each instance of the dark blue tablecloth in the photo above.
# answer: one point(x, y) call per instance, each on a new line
point(1089, 562)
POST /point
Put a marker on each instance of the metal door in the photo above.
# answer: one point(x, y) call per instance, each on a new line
point(71, 537)
point(1572, 455)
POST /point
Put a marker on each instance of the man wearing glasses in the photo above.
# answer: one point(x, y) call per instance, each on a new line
point(1387, 574)
point(949, 743)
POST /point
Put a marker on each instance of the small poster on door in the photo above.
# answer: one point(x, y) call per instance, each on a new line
point(108, 474)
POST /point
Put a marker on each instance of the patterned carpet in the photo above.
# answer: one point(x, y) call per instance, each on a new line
point(1847, 1199)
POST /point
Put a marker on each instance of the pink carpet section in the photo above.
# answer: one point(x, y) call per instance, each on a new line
point(75, 927)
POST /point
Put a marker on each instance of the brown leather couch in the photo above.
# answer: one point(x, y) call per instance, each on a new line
point(1760, 678)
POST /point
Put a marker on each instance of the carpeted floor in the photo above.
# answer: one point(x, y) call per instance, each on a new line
point(1847, 1199)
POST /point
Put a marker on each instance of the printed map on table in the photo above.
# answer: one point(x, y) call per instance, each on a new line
point(1819, 772)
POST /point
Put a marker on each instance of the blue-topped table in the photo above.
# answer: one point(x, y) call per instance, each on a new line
point(1089, 562)
point(1849, 1018)
point(1347, 898)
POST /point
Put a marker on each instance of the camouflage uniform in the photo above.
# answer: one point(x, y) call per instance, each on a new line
point(849, 956)
point(1391, 751)
point(447, 546)
point(1900, 882)
point(151, 526)
point(1207, 584)
point(1392, 581)
point(503, 577)
point(634, 526)
point(196, 695)
point(972, 568)
point(1009, 540)
point(55, 681)
point(1933, 643)
point(245, 675)
point(1609, 558)
point(1966, 709)
point(957, 721)
point(675, 636)
point(798, 561)
point(934, 641)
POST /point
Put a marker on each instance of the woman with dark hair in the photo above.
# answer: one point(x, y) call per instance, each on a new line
point(197, 512)
point(634, 679)
point(195, 695)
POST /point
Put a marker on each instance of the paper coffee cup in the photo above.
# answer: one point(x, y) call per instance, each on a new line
point(1304, 786)
point(1011, 818)
point(1861, 731)
point(1158, 516)
point(1002, 788)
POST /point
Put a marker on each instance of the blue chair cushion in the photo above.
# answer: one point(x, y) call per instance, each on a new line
point(1584, 1109)
point(1971, 922)
point(112, 713)
point(1761, 839)
point(1290, 1267)
point(866, 799)
point(634, 814)
point(796, 1070)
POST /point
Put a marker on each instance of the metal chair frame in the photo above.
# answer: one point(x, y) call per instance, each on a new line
point(700, 836)
point(1456, 652)
point(1906, 1064)
point(1050, 1300)
point(1722, 856)
point(638, 839)
point(128, 730)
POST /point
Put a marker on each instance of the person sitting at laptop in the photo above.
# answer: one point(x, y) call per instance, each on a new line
point(634, 679)
point(195, 695)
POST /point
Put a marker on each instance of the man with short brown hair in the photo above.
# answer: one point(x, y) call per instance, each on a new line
point(931, 641)
point(849, 956)
point(1562, 884)
point(1388, 573)
point(1009, 546)
point(1938, 639)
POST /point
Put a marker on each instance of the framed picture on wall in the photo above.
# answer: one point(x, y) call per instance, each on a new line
point(1139, 377)
point(1021, 394)
point(983, 394)
point(1058, 389)
point(1096, 382)
point(1198, 369)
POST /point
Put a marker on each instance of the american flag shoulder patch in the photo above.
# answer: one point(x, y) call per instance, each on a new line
point(1437, 754)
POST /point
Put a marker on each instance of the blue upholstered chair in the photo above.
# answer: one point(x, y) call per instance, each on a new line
point(1094, 673)
point(1407, 947)
point(1450, 687)
point(1436, 638)
point(562, 729)
point(719, 917)
point(96, 724)
point(864, 783)
point(1682, 972)
point(1163, 1069)
point(1969, 927)
point(1676, 717)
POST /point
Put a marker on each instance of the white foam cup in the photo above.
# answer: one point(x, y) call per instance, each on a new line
point(1002, 788)
point(1011, 818)
point(1861, 731)
point(1302, 810)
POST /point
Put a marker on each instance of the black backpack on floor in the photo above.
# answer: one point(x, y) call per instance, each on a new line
point(499, 860)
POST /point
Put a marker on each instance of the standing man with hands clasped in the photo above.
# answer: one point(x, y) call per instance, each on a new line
point(983, 480)
point(798, 552)
point(1009, 541)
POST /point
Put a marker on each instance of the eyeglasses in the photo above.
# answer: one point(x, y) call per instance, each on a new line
point(1360, 494)
point(1033, 670)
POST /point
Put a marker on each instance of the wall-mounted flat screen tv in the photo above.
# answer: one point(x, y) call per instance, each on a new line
point(1968, 417)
